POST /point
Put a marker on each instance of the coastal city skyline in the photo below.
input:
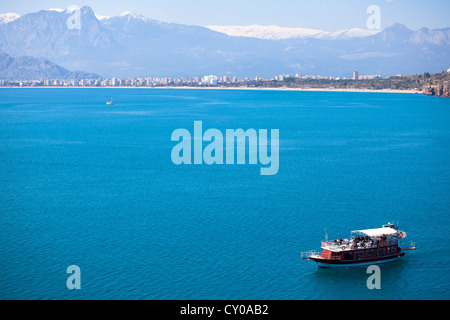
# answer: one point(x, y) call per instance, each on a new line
point(206, 80)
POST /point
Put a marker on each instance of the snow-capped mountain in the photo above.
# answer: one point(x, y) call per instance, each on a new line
point(267, 32)
point(125, 20)
point(8, 17)
point(132, 15)
point(351, 33)
point(280, 33)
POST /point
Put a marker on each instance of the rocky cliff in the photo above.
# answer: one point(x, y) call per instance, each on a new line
point(437, 85)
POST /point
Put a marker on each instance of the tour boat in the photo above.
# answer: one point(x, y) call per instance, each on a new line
point(365, 247)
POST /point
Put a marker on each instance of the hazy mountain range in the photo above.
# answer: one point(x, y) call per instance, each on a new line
point(30, 68)
point(133, 45)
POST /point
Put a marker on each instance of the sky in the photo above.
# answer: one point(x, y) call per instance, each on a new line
point(328, 15)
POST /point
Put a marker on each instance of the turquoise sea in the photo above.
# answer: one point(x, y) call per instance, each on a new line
point(87, 184)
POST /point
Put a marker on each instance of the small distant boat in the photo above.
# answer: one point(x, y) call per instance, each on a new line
point(110, 101)
point(366, 247)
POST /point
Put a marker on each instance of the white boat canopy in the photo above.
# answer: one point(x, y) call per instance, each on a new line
point(378, 232)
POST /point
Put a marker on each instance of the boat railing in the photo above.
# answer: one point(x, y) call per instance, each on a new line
point(334, 245)
point(351, 244)
point(308, 254)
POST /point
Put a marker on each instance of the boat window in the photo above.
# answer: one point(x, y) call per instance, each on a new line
point(391, 250)
point(381, 252)
point(348, 255)
point(359, 255)
point(370, 253)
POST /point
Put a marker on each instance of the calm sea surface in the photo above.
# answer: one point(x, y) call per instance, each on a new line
point(83, 183)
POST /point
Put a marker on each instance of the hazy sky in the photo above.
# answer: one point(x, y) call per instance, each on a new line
point(329, 15)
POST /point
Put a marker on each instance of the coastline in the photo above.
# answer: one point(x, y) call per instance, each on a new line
point(300, 89)
point(235, 88)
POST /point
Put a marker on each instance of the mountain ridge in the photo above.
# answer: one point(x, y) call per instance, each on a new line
point(130, 45)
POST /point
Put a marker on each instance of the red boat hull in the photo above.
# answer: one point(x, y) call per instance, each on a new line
point(331, 263)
